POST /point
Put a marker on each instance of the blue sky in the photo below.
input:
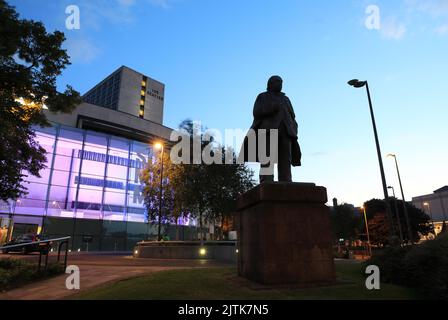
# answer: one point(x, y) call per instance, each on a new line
point(215, 57)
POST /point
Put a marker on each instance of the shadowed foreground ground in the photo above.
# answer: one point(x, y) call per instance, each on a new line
point(222, 283)
point(95, 270)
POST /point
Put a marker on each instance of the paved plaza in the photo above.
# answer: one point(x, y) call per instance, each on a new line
point(96, 270)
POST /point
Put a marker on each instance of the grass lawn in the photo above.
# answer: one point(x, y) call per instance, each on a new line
point(222, 283)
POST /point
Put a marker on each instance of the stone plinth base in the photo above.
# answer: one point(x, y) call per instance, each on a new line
point(284, 235)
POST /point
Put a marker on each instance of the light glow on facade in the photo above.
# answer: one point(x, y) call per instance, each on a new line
point(88, 175)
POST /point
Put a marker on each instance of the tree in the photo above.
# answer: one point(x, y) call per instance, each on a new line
point(205, 191)
point(344, 223)
point(30, 60)
point(196, 183)
point(211, 190)
point(230, 180)
point(378, 223)
point(157, 191)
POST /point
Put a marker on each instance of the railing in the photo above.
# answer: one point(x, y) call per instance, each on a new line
point(44, 249)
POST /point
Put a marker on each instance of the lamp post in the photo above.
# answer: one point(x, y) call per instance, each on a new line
point(397, 214)
point(359, 84)
point(159, 146)
point(426, 204)
point(405, 209)
point(367, 231)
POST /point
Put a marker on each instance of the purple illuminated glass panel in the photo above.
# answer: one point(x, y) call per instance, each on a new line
point(108, 183)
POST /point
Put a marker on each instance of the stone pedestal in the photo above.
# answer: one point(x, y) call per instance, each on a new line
point(284, 235)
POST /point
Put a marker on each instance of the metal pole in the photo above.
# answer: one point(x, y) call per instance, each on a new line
point(75, 210)
point(126, 200)
point(160, 197)
point(50, 180)
point(380, 160)
point(430, 215)
point(443, 207)
point(367, 231)
point(397, 214)
point(47, 251)
point(406, 215)
point(40, 260)
point(66, 253)
point(59, 250)
point(400, 230)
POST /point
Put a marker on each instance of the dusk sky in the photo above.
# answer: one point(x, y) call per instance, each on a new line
point(215, 57)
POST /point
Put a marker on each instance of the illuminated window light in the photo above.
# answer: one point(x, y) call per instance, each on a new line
point(143, 83)
point(202, 252)
point(142, 102)
point(142, 93)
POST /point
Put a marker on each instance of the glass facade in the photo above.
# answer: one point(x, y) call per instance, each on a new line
point(90, 186)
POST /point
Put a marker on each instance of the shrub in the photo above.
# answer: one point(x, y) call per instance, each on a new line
point(14, 272)
point(10, 263)
point(423, 267)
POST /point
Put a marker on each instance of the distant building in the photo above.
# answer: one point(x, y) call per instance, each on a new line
point(129, 91)
point(435, 205)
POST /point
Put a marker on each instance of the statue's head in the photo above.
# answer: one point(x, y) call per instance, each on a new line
point(275, 84)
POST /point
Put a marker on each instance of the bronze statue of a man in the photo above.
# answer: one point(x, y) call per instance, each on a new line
point(274, 117)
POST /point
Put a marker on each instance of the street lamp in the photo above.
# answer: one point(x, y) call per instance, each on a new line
point(359, 84)
point(426, 204)
point(396, 213)
point(159, 146)
point(367, 231)
point(406, 214)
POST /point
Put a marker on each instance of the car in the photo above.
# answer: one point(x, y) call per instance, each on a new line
point(23, 239)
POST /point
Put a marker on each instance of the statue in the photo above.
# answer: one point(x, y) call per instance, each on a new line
point(274, 216)
point(273, 111)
